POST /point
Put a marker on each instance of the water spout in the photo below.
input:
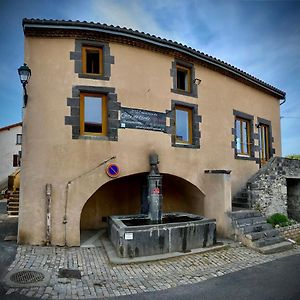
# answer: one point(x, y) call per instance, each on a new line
point(154, 190)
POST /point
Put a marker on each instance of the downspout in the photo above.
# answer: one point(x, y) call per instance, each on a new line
point(48, 217)
point(284, 100)
point(65, 220)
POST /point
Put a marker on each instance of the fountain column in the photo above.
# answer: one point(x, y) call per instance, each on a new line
point(154, 190)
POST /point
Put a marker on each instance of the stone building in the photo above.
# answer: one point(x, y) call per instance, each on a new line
point(101, 94)
point(10, 151)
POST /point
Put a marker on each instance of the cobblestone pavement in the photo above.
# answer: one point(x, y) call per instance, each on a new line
point(101, 279)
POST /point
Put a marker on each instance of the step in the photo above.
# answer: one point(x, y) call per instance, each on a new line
point(13, 208)
point(268, 241)
point(254, 228)
point(263, 234)
point(241, 205)
point(240, 199)
point(242, 193)
point(279, 247)
point(13, 204)
point(243, 214)
point(13, 213)
point(249, 221)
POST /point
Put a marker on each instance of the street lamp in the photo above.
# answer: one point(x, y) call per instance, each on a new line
point(24, 74)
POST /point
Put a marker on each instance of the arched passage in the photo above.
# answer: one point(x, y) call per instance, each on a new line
point(124, 195)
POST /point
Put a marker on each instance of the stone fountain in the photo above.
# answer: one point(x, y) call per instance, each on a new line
point(156, 232)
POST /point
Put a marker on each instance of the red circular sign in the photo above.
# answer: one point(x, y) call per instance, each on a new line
point(113, 170)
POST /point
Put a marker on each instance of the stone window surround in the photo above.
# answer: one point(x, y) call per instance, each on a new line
point(113, 108)
point(271, 138)
point(253, 147)
point(106, 57)
point(19, 139)
point(196, 119)
point(173, 73)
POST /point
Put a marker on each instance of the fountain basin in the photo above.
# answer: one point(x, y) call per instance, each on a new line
point(135, 235)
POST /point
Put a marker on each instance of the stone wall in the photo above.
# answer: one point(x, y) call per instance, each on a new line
point(268, 188)
point(290, 232)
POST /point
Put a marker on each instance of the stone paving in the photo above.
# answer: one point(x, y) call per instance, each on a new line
point(100, 279)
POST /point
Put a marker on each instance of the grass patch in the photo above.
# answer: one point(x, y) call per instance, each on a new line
point(280, 220)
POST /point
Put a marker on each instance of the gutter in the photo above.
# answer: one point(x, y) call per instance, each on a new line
point(284, 100)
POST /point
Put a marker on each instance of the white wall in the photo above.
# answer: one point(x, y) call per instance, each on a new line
point(8, 147)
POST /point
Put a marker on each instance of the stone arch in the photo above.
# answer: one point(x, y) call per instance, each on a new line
point(123, 196)
point(82, 188)
point(78, 193)
point(185, 197)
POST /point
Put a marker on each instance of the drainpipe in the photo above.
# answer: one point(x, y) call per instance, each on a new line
point(65, 220)
point(284, 100)
point(48, 216)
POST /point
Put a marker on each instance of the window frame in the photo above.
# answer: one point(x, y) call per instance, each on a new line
point(249, 146)
point(190, 124)
point(192, 88)
point(84, 50)
point(19, 139)
point(104, 114)
point(264, 148)
point(16, 160)
point(189, 79)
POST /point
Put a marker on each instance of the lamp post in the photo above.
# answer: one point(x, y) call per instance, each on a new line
point(24, 74)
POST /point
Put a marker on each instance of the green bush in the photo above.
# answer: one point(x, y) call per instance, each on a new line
point(278, 219)
point(293, 156)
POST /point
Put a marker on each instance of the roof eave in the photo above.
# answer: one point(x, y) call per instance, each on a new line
point(111, 30)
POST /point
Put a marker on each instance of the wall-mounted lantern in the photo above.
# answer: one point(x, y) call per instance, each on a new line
point(24, 74)
point(197, 81)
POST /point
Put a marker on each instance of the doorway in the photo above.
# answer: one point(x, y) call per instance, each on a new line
point(293, 198)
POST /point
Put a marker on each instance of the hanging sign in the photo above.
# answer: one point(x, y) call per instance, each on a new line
point(113, 170)
point(142, 119)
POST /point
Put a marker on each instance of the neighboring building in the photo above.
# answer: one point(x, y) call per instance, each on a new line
point(10, 151)
point(101, 94)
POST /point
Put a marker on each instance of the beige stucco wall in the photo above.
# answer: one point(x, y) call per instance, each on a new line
point(142, 80)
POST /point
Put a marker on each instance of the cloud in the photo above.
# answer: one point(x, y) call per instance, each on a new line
point(129, 14)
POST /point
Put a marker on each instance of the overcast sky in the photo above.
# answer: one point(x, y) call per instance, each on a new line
point(259, 37)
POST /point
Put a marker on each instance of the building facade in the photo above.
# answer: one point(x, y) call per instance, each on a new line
point(100, 94)
point(10, 151)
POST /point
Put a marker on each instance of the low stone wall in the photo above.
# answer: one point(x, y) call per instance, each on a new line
point(267, 189)
point(290, 232)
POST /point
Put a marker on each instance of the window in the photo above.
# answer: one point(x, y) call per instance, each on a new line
point(93, 114)
point(183, 125)
point(16, 160)
point(183, 78)
point(183, 74)
point(264, 137)
point(19, 139)
point(242, 136)
point(92, 60)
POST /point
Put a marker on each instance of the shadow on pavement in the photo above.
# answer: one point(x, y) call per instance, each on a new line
point(8, 227)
